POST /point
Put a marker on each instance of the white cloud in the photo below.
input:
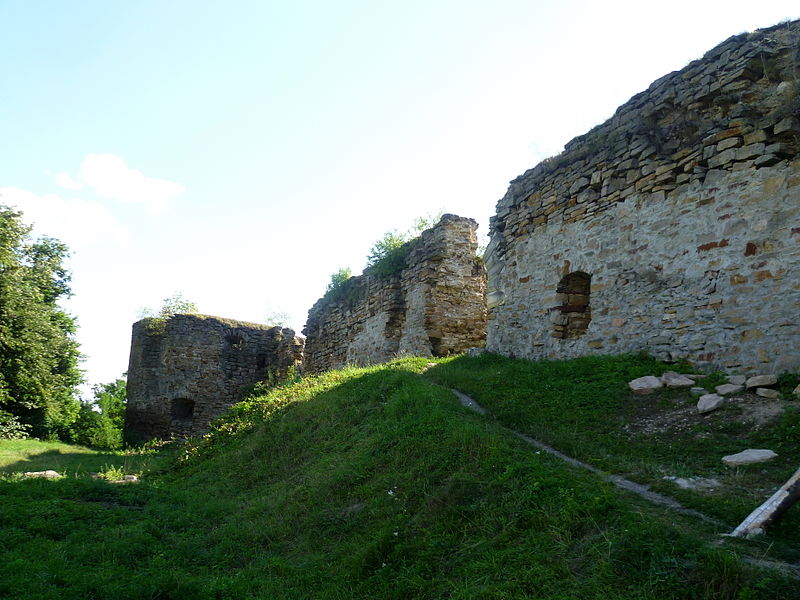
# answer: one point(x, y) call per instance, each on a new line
point(76, 222)
point(64, 180)
point(111, 177)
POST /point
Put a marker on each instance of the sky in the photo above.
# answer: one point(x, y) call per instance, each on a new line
point(240, 152)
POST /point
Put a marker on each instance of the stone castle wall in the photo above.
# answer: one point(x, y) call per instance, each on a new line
point(673, 227)
point(435, 306)
point(186, 372)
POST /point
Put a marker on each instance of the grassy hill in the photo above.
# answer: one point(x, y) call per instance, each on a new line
point(377, 483)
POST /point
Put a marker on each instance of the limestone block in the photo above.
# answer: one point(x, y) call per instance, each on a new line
point(709, 402)
point(761, 381)
point(726, 389)
point(768, 393)
point(796, 391)
point(645, 385)
point(694, 483)
point(736, 379)
point(731, 142)
point(698, 391)
point(787, 124)
point(767, 160)
point(673, 380)
point(723, 158)
point(748, 457)
point(49, 474)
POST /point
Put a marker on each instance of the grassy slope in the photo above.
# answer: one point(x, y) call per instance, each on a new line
point(582, 407)
point(359, 484)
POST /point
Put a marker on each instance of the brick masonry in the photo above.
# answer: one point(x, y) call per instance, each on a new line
point(681, 214)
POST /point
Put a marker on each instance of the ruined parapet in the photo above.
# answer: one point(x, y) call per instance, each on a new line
point(435, 306)
point(186, 371)
point(673, 227)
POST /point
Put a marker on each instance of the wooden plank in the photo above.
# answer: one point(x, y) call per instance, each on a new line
point(769, 512)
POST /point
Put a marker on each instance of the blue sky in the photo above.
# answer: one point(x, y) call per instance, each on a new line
point(240, 152)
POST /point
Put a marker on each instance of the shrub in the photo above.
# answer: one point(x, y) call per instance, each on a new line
point(337, 280)
point(11, 428)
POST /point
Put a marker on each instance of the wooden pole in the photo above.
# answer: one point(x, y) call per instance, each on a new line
point(769, 512)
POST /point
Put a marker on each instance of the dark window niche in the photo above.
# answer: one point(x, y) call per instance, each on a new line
point(572, 315)
point(181, 409)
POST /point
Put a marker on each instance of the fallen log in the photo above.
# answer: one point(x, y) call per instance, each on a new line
point(769, 512)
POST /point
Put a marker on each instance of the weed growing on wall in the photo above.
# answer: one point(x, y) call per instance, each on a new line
point(388, 255)
point(156, 322)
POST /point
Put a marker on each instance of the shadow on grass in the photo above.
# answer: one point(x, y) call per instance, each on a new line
point(77, 463)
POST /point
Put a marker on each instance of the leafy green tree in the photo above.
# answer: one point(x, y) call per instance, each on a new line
point(100, 422)
point(38, 352)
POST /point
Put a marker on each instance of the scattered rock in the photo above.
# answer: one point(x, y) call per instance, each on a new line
point(796, 391)
point(726, 389)
point(736, 379)
point(698, 391)
point(49, 474)
point(768, 393)
point(709, 402)
point(694, 483)
point(748, 457)
point(673, 380)
point(645, 385)
point(761, 381)
point(126, 479)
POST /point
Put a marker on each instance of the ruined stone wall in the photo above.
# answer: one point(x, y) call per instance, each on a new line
point(673, 227)
point(186, 372)
point(435, 306)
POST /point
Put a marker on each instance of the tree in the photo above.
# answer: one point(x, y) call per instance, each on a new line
point(38, 352)
point(100, 421)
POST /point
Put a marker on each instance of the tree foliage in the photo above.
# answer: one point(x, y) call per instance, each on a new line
point(100, 422)
point(38, 352)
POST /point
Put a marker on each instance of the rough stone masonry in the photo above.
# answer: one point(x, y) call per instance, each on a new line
point(673, 227)
point(435, 306)
point(186, 371)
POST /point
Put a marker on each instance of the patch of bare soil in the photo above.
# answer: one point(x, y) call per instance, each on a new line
point(652, 417)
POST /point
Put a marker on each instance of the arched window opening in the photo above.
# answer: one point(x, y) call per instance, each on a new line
point(181, 409)
point(573, 314)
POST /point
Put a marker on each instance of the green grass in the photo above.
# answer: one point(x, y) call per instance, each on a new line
point(584, 408)
point(371, 483)
point(19, 456)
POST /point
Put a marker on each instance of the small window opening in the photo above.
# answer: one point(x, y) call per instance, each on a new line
point(573, 314)
point(235, 340)
point(182, 409)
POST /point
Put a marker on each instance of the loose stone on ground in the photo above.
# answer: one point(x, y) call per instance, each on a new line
point(646, 385)
point(709, 402)
point(761, 381)
point(694, 483)
point(726, 389)
point(49, 474)
point(748, 457)
point(672, 380)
